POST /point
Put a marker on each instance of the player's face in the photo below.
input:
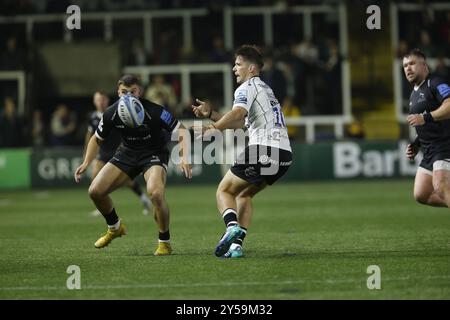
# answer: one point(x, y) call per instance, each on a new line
point(134, 89)
point(241, 69)
point(415, 69)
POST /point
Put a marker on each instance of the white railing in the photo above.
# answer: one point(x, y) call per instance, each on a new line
point(108, 19)
point(18, 76)
point(185, 70)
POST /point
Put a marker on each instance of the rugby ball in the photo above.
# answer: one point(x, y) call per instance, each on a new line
point(130, 111)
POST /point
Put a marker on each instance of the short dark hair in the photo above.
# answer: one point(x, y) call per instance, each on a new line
point(415, 52)
point(101, 92)
point(251, 53)
point(128, 80)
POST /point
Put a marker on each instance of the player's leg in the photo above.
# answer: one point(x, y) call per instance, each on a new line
point(107, 180)
point(441, 181)
point(136, 188)
point(155, 178)
point(97, 165)
point(424, 191)
point(244, 215)
point(227, 192)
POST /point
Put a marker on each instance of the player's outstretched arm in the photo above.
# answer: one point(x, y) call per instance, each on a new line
point(91, 153)
point(232, 120)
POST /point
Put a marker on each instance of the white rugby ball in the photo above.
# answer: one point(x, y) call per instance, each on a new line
point(130, 111)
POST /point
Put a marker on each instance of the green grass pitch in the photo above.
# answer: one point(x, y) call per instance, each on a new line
point(307, 241)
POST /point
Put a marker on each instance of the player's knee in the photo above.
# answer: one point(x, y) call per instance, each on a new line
point(443, 191)
point(243, 197)
point(221, 193)
point(95, 193)
point(156, 195)
point(421, 198)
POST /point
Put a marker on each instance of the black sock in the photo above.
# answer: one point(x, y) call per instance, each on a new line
point(165, 236)
point(230, 217)
point(111, 218)
point(136, 188)
point(240, 239)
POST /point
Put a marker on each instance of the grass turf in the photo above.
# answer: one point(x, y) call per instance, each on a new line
point(306, 241)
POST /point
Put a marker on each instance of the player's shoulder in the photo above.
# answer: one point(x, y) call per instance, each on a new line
point(439, 85)
point(94, 115)
point(254, 83)
point(151, 106)
point(435, 80)
point(111, 110)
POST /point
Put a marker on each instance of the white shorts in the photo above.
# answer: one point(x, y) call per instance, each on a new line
point(437, 165)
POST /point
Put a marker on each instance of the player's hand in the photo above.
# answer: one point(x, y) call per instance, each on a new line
point(82, 168)
point(203, 131)
point(411, 151)
point(201, 109)
point(415, 120)
point(186, 168)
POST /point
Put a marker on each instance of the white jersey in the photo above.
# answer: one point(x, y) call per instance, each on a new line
point(265, 120)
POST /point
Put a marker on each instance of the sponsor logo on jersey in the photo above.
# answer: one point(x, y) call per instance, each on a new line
point(166, 117)
point(241, 97)
point(444, 90)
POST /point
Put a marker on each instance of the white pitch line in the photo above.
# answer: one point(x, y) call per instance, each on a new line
point(225, 284)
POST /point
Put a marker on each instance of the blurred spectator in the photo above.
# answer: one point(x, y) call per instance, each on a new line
point(290, 110)
point(161, 93)
point(11, 126)
point(185, 110)
point(12, 58)
point(444, 31)
point(188, 55)
point(425, 44)
point(441, 69)
point(274, 78)
point(355, 130)
point(165, 51)
point(332, 79)
point(37, 131)
point(218, 52)
point(308, 52)
point(403, 48)
point(138, 54)
point(63, 125)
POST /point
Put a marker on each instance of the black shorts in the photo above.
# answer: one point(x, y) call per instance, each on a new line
point(134, 162)
point(105, 155)
point(258, 164)
point(431, 154)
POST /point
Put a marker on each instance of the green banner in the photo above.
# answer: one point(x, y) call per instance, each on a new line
point(55, 167)
point(351, 159)
point(320, 161)
point(14, 168)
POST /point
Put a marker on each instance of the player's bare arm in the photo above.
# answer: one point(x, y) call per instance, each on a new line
point(234, 119)
point(91, 152)
point(184, 140)
point(411, 151)
point(441, 113)
point(87, 138)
